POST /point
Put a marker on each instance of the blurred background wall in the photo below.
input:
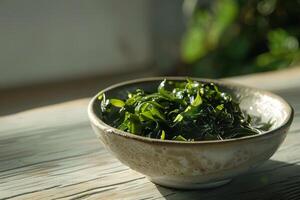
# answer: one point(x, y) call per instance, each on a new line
point(54, 51)
point(53, 40)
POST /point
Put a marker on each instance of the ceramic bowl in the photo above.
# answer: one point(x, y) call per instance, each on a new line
point(199, 164)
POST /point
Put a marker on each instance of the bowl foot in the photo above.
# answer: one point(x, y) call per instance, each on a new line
point(188, 186)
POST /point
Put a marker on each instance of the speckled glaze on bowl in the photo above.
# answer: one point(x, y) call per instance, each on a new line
point(200, 164)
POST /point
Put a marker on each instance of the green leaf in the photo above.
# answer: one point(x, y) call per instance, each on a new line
point(178, 118)
point(156, 113)
point(179, 138)
point(206, 28)
point(281, 42)
point(164, 92)
point(187, 109)
point(220, 107)
point(117, 103)
point(197, 101)
point(225, 12)
point(156, 104)
point(192, 47)
point(100, 97)
point(148, 115)
point(163, 135)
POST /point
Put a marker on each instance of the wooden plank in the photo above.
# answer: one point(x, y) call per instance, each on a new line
point(274, 80)
point(52, 153)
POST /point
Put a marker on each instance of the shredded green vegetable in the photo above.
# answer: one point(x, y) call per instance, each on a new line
point(184, 111)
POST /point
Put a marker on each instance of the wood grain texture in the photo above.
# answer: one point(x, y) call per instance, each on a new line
point(52, 153)
point(273, 80)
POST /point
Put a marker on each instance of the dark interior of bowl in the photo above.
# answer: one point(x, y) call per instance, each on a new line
point(268, 107)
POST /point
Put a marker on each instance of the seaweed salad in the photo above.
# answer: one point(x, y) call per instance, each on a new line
point(180, 110)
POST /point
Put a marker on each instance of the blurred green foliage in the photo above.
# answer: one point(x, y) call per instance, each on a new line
point(231, 37)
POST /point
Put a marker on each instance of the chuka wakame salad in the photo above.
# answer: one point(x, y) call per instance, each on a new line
point(186, 111)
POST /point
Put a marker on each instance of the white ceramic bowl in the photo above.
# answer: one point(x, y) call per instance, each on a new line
point(199, 164)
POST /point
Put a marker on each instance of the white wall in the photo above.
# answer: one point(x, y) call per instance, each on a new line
point(44, 40)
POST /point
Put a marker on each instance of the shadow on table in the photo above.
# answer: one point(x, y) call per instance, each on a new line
point(274, 180)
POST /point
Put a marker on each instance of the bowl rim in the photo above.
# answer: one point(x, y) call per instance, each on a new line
point(95, 120)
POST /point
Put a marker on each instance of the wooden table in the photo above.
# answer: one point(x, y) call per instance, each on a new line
point(52, 153)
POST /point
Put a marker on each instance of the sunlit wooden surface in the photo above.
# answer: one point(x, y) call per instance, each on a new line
point(52, 153)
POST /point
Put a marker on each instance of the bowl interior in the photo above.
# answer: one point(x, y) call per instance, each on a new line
point(259, 103)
